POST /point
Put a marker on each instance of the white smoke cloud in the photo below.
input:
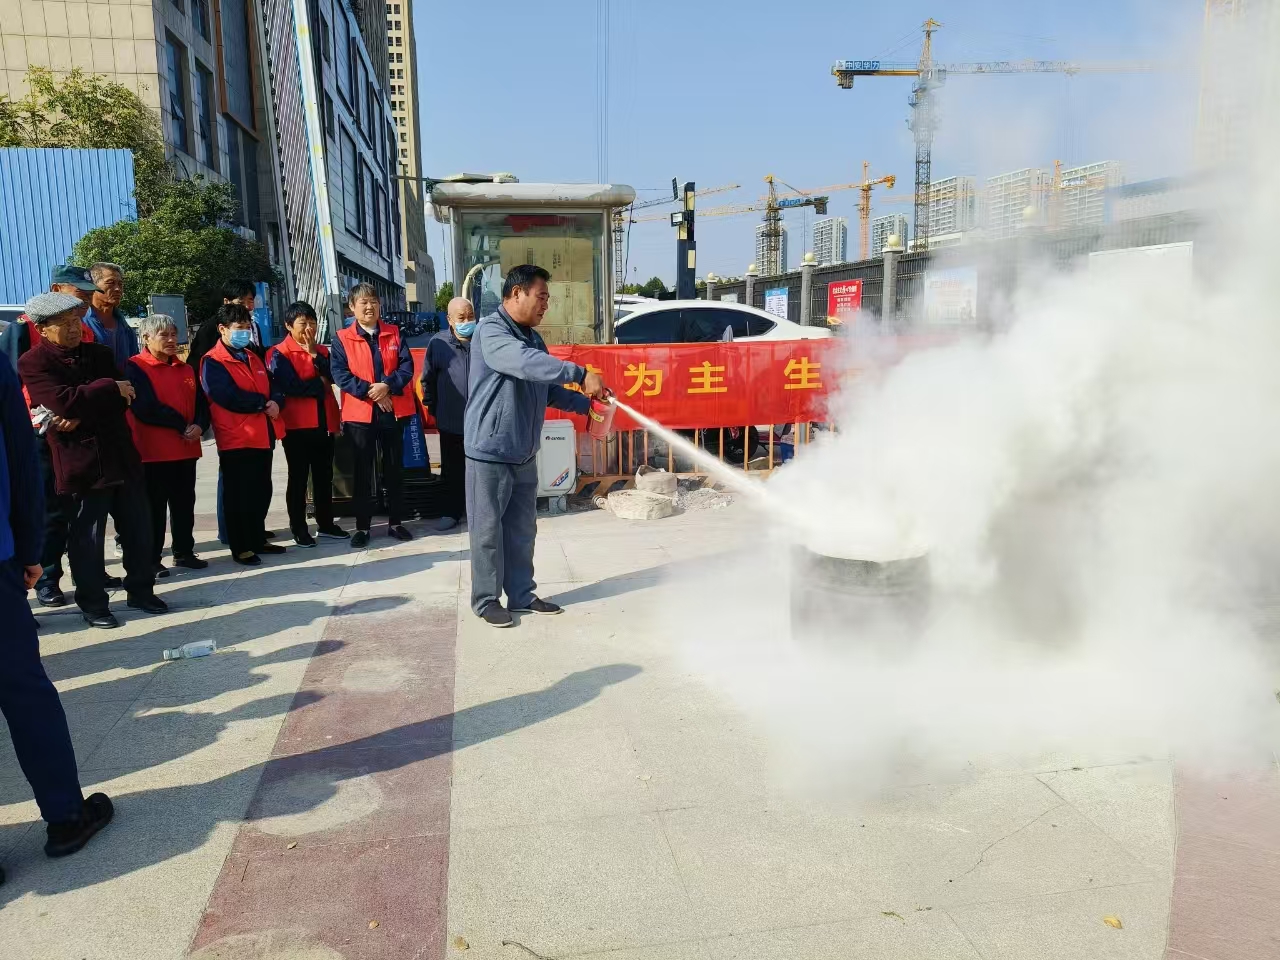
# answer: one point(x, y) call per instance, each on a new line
point(1097, 490)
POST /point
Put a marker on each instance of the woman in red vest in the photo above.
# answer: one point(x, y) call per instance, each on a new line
point(244, 410)
point(299, 369)
point(166, 430)
point(372, 367)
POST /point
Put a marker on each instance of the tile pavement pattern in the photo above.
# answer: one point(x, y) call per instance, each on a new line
point(363, 771)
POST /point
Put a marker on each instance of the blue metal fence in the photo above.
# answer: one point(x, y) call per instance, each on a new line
point(49, 199)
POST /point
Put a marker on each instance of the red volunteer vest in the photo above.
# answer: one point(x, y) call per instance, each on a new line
point(300, 412)
point(360, 362)
point(175, 386)
point(239, 431)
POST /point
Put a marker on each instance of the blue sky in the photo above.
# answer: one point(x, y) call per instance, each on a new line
point(726, 92)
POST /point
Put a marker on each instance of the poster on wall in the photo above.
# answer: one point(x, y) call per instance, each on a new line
point(775, 301)
point(951, 297)
point(730, 298)
point(844, 300)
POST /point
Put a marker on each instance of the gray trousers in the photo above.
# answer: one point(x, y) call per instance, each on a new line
point(502, 518)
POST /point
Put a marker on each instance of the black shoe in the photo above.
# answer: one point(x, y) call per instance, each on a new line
point(332, 532)
point(269, 534)
point(161, 571)
point(538, 605)
point(359, 539)
point(304, 539)
point(103, 621)
point(51, 597)
point(69, 836)
point(272, 548)
point(112, 583)
point(151, 604)
point(190, 561)
point(247, 559)
point(496, 615)
point(400, 533)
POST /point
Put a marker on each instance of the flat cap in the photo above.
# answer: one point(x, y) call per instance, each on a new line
point(44, 306)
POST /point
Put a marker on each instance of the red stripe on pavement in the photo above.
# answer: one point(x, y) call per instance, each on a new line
point(344, 850)
point(1226, 877)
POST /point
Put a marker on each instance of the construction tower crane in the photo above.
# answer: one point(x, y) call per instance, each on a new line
point(864, 207)
point(929, 77)
point(772, 264)
point(772, 204)
point(622, 217)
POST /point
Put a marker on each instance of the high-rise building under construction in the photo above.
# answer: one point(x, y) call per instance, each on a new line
point(764, 266)
point(1016, 199)
point(831, 240)
point(882, 228)
point(402, 71)
point(953, 206)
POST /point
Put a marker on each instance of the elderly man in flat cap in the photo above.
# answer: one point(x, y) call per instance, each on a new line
point(96, 463)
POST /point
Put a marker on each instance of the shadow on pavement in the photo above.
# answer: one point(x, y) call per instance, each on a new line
point(633, 580)
point(152, 826)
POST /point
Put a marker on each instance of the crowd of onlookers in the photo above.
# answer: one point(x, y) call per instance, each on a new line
point(101, 421)
point(120, 416)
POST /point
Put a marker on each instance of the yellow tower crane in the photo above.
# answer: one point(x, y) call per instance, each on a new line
point(929, 77)
point(622, 217)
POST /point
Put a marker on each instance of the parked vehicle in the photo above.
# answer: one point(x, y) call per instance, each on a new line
point(703, 321)
point(624, 304)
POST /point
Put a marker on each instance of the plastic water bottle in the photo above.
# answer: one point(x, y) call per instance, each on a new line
point(189, 651)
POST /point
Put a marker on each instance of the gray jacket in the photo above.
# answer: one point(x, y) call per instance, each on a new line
point(513, 381)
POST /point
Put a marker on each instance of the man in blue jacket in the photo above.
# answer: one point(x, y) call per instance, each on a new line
point(513, 380)
point(28, 700)
point(445, 376)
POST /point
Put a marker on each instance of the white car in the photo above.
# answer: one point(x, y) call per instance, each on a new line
point(705, 321)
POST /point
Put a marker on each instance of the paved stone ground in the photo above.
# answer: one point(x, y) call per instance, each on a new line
point(365, 771)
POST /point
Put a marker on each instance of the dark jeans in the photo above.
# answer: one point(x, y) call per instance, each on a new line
point(128, 506)
point(502, 519)
point(31, 706)
point(366, 439)
point(58, 513)
point(171, 489)
point(246, 476)
point(453, 475)
point(310, 454)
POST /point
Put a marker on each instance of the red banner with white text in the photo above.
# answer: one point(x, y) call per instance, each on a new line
point(695, 385)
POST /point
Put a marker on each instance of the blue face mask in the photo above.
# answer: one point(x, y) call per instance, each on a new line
point(241, 339)
point(465, 330)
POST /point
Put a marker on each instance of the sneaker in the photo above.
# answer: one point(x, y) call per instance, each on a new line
point(51, 597)
point(446, 523)
point(332, 532)
point(304, 539)
point(161, 571)
point(112, 583)
point(538, 605)
point(247, 559)
point(496, 615)
point(67, 837)
point(190, 561)
point(399, 532)
point(272, 548)
point(359, 539)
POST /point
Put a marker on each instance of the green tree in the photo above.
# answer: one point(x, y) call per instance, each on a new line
point(654, 287)
point(181, 248)
point(89, 111)
point(444, 295)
